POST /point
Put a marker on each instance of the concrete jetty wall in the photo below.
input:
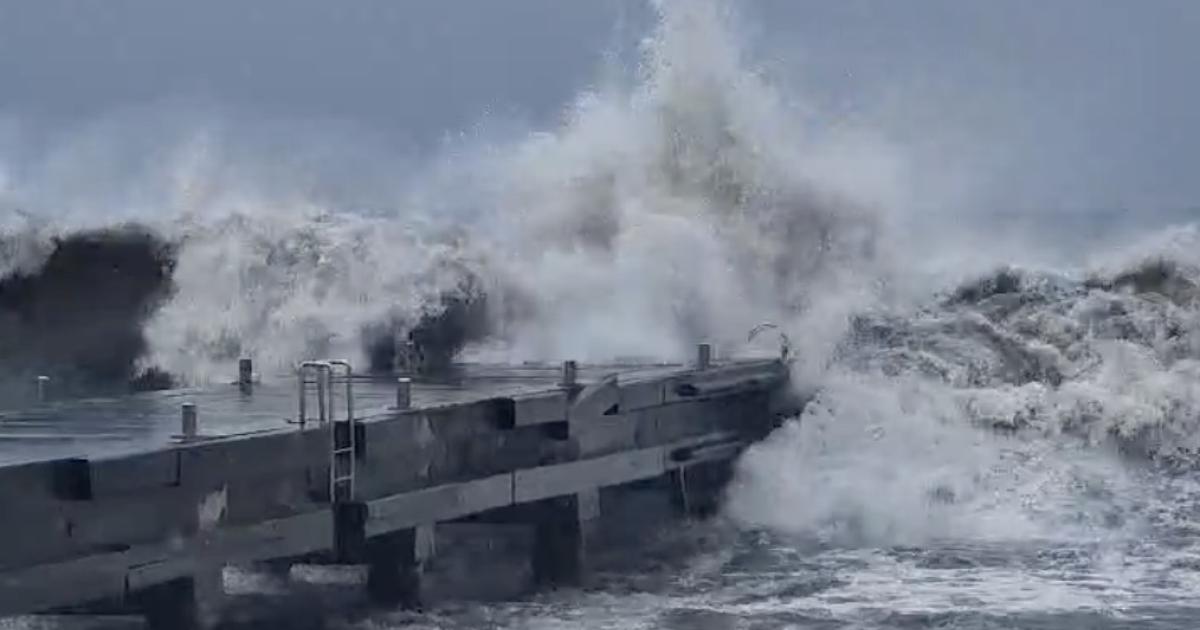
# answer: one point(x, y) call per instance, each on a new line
point(149, 529)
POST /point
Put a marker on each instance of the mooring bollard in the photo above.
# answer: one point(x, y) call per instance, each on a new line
point(570, 374)
point(245, 372)
point(403, 393)
point(188, 421)
point(703, 356)
point(43, 384)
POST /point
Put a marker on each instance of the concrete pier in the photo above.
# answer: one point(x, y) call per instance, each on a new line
point(696, 490)
point(563, 526)
point(396, 563)
point(186, 603)
point(105, 503)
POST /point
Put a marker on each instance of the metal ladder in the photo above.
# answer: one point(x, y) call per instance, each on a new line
point(343, 445)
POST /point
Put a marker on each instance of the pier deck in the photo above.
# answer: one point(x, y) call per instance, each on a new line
point(103, 501)
point(129, 424)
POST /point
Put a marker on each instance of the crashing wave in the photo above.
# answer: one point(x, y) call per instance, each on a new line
point(1113, 355)
point(685, 207)
point(78, 313)
point(1019, 404)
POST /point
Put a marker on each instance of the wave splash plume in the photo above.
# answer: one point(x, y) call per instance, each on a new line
point(1023, 404)
point(683, 206)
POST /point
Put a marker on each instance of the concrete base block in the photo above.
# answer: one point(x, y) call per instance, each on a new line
point(563, 528)
point(396, 566)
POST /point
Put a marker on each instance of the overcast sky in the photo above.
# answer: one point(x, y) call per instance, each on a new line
point(1065, 103)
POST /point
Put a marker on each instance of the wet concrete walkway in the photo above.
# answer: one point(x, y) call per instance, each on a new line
point(128, 424)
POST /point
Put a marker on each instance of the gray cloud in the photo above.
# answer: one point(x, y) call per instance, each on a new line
point(1069, 105)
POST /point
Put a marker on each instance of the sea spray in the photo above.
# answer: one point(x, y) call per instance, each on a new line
point(687, 206)
point(1022, 405)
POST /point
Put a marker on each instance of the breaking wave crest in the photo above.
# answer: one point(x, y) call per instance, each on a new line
point(1023, 404)
point(686, 206)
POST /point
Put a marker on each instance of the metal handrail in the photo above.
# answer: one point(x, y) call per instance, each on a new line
point(350, 448)
point(785, 343)
point(333, 363)
point(324, 382)
point(342, 451)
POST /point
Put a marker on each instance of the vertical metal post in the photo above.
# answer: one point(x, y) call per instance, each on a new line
point(570, 374)
point(322, 385)
point(703, 356)
point(322, 371)
point(403, 393)
point(187, 421)
point(342, 440)
point(43, 385)
point(303, 395)
point(349, 388)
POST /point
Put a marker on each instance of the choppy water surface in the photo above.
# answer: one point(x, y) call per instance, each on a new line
point(1127, 562)
point(1126, 577)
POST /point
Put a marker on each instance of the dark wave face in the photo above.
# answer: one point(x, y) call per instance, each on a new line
point(433, 343)
point(78, 317)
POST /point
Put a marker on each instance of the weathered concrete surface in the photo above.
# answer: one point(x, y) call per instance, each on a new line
point(395, 564)
point(98, 520)
point(563, 525)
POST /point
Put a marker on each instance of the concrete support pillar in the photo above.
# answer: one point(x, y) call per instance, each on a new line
point(191, 603)
point(403, 393)
point(703, 356)
point(245, 375)
point(570, 375)
point(562, 529)
point(188, 421)
point(696, 490)
point(395, 566)
point(43, 388)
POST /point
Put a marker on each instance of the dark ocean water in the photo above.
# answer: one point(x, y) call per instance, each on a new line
point(1140, 570)
point(717, 577)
